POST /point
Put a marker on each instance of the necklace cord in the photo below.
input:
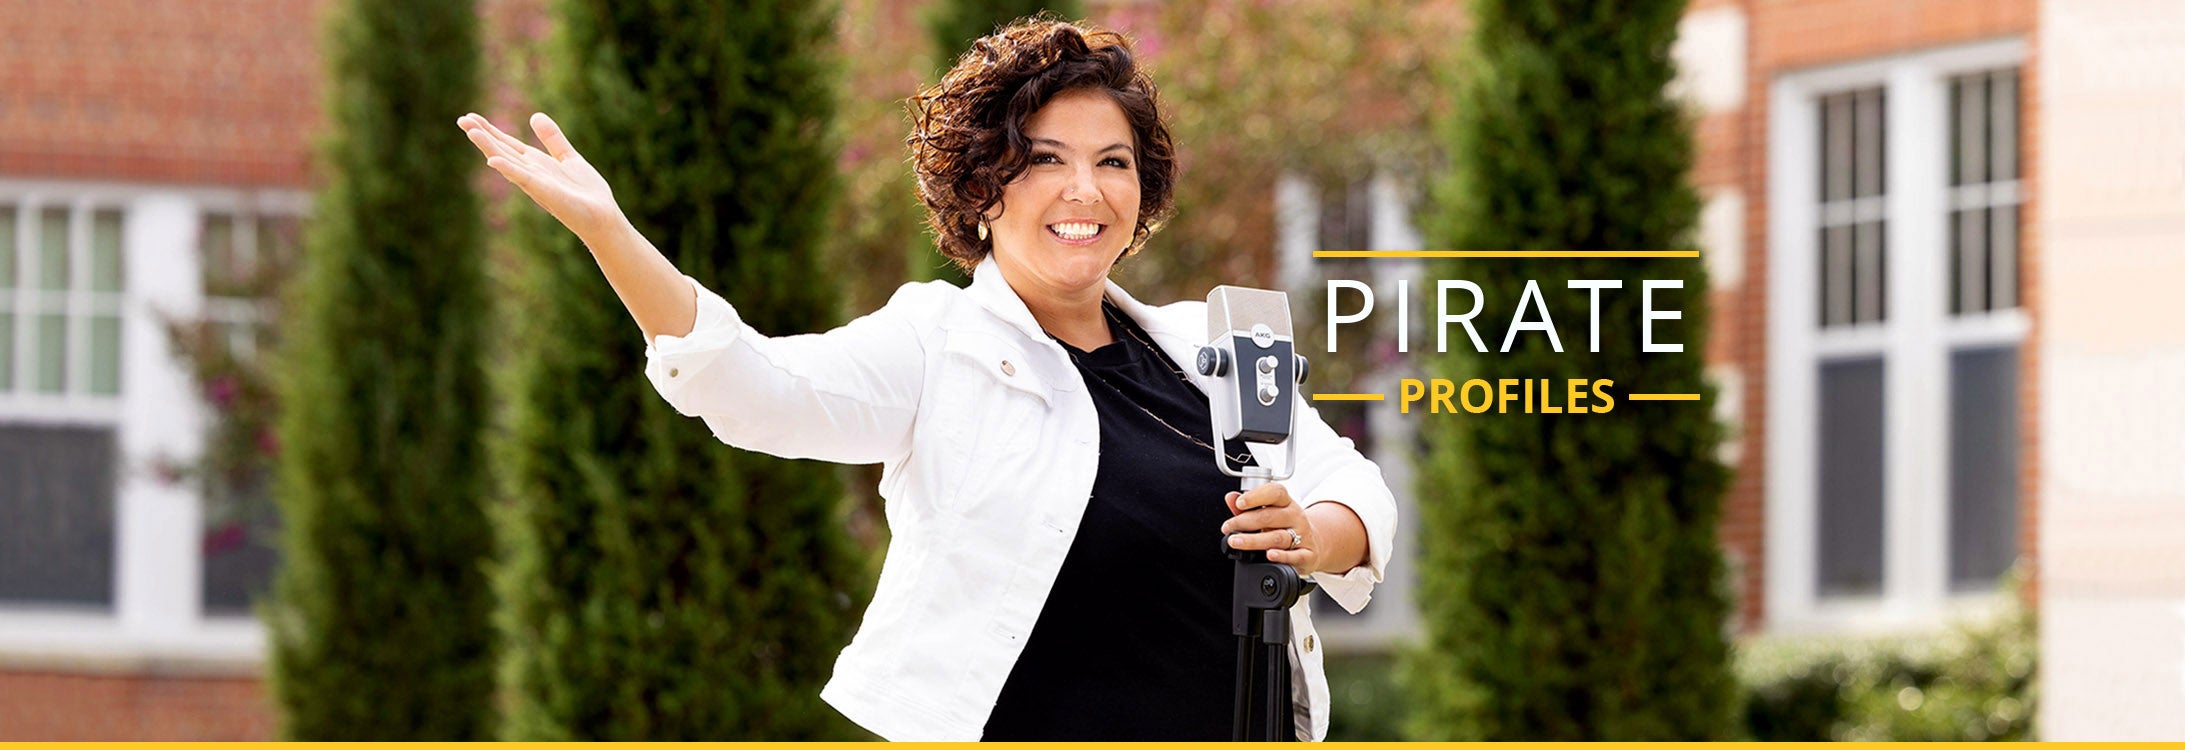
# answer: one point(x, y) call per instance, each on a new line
point(1115, 319)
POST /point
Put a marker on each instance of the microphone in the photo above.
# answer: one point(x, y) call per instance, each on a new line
point(1251, 352)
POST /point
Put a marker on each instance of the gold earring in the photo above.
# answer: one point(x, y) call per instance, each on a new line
point(982, 231)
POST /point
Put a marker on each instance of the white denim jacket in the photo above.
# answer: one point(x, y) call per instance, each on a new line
point(989, 444)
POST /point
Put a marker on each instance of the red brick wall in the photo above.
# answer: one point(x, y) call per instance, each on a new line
point(1785, 35)
point(36, 705)
point(178, 91)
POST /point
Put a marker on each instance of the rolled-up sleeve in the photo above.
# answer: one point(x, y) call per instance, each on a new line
point(848, 395)
point(1330, 469)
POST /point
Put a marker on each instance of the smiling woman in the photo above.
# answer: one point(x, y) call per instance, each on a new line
point(1052, 572)
point(1044, 147)
point(974, 131)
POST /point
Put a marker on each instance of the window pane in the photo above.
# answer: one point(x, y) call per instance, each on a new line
point(1836, 279)
point(1983, 465)
point(7, 350)
point(1957, 265)
point(52, 353)
point(2003, 257)
point(57, 494)
point(1868, 265)
point(1868, 140)
point(222, 275)
point(1836, 148)
point(1346, 216)
point(1851, 471)
point(1972, 260)
point(106, 251)
point(7, 246)
point(2003, 129)
point(1881, 269)
point(105, 355)
point(278, 238)
point(1969, 122)
point(240, 551)
point(53, 250)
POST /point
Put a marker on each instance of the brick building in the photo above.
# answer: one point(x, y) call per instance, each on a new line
point(1941, 235)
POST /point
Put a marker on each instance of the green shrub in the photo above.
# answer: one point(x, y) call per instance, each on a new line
point(1973, 682)
point(1976, 682)
point(1366, 701)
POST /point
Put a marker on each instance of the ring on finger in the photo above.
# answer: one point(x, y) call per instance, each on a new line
point(1295, 539)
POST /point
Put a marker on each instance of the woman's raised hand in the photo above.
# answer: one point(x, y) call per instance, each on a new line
point(558, 178)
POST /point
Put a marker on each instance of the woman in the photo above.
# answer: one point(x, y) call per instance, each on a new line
point(1048, 476)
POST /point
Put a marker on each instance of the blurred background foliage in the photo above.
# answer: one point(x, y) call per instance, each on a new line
point(1974, 682)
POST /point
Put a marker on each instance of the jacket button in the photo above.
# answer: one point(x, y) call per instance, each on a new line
point(1008, 369)
point(1308, 644)
point(672, 372)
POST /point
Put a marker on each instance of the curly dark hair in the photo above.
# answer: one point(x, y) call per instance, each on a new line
point(967, 136)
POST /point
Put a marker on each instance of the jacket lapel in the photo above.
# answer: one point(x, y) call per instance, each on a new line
point(992, 292)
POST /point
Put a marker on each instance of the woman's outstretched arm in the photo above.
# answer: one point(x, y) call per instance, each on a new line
point(560, 181)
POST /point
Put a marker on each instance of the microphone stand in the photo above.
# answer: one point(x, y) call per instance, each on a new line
point(1261, 594)
point(1250, 337)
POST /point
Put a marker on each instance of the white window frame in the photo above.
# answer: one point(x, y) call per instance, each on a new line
point(157, 615)
point(1915, 342)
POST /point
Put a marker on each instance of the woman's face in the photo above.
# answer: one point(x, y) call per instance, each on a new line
point(1064, 222)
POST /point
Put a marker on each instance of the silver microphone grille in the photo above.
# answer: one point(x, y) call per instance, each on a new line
point(1236, 308)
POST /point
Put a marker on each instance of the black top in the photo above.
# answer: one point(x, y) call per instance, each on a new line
point(1134, 642)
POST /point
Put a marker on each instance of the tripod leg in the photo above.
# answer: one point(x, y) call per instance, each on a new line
point(1271, 713)
point(1241, 720)
point(1286, 717)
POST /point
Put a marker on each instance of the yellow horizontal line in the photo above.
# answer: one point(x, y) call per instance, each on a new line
point(1350, 397)
point(1505, 253)
point(1662, 396)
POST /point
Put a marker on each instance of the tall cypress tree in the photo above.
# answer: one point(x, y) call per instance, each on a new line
point(381, 616)
point(657, 584)
point(1570, 567)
